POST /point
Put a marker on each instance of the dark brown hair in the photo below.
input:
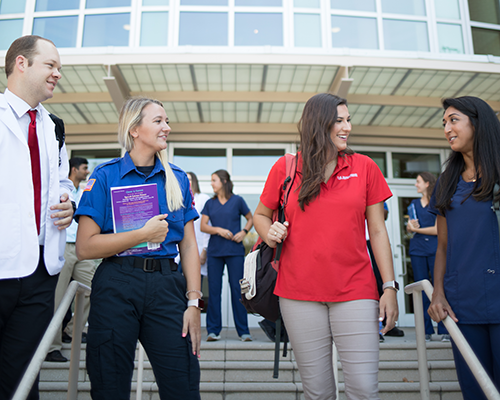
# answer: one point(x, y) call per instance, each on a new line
point(316, 145)
point(227, 184)
point(24, 46)
point(429, 178)
point(485, 150)
point(195, 186)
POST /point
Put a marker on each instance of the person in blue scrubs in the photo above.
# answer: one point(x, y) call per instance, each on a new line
point(467, 267)
point(142, 296)
point(225, 247)
point(423, 245)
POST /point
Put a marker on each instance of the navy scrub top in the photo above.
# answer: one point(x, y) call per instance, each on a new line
point(472, 278)
point(227, 216)
point(423, 245)
point(96, 199)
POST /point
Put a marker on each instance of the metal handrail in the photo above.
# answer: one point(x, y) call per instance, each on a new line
point(140, 370)
point(54, 329)
point(477, 369)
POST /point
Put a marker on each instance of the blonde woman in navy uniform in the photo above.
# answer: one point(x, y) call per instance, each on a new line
point(467, 267)
point(142, 297)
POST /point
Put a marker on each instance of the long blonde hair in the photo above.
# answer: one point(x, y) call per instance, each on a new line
point(131, 117)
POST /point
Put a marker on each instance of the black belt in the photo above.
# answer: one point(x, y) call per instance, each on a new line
point(146, 264)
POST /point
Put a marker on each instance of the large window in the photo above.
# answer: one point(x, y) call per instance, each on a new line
point(249, 162)
point(61, 30)
point(203, 29)
point(53, 5)
point(447, 9)
point(200, 161)
point(484, 11)
point(354, 5)
point(307, 31)
point(408, 165)
point(10, 30)
point(485, 37)
point(154, 29)
point(258, 29)
point(486, 41)
point(107, 3)
point(405, 35)
point(450, 38)
point(354, 32)
point(12, 6)
point(393, 25)
point(106, 30)
point(409, 7)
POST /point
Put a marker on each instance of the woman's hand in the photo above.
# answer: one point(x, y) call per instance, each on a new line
point(388, 309)
point(192, 325)
point(440, 308)
point(239, 236)
point(412, 225)
point(277, 233)
point(203, 256)
point(225, 233)
point(156, 229)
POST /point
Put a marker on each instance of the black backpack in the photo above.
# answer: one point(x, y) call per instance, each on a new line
point(60, 133)
point(265, 302)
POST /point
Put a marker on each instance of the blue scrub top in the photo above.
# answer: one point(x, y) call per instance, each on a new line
point(225, 216)
point(472, 278)
point(423, 245)
point(96, 199)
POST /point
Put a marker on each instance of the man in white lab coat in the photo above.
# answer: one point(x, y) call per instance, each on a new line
point(35, 208)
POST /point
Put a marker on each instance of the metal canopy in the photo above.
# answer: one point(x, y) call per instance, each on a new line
point(391, 101)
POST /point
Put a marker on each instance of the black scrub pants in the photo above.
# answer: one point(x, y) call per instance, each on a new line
point(26, 308)
point(127, 304)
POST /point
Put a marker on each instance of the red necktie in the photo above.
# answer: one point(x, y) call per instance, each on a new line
point(35, 166)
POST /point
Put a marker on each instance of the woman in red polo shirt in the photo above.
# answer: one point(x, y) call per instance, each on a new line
point(326, 284)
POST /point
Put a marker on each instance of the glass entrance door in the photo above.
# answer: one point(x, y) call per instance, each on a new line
point(400, 243)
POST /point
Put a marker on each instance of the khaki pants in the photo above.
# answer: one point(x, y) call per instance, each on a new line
point(353, 326)
point(81, 271)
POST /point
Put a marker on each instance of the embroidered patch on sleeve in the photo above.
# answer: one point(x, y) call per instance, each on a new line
point(89, 186)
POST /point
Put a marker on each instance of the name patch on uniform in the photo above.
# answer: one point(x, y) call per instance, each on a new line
point(345, 177)
point(89, 186)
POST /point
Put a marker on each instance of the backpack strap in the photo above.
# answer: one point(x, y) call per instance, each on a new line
point(59, 131)
point(291, 171)
point(496, 204)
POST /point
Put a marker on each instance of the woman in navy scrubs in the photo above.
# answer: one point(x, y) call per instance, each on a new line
point(423, 245)
point(467, 267)
point(142, 296)
point(225, 247)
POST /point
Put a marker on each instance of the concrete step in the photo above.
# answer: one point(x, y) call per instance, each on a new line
point(234, 370)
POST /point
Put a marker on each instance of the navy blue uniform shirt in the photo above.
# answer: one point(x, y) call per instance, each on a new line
point(472, 279)
point(225, 216)
point(96, 199)
point(423, 245)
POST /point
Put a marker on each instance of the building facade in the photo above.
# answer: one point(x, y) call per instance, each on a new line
point(234, 76)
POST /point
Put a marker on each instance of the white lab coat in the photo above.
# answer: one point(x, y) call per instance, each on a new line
point(19, 247)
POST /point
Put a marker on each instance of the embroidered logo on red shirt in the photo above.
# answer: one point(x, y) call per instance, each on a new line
point(89, 186)
point(345, 177)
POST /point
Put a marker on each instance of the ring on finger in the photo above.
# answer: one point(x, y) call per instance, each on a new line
point(275, 233)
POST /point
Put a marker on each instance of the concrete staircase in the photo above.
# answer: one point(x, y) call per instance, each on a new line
point(233, 370)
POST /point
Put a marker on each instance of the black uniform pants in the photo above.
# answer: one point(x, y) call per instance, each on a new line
point(127, 304)
point(26, 308)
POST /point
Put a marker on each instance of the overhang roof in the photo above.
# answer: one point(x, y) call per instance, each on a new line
point(259, 98)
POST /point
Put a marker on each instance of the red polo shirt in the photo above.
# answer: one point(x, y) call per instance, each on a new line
point(324, 257)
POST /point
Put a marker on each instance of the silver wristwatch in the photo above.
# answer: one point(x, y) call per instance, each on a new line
point(391, 285)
